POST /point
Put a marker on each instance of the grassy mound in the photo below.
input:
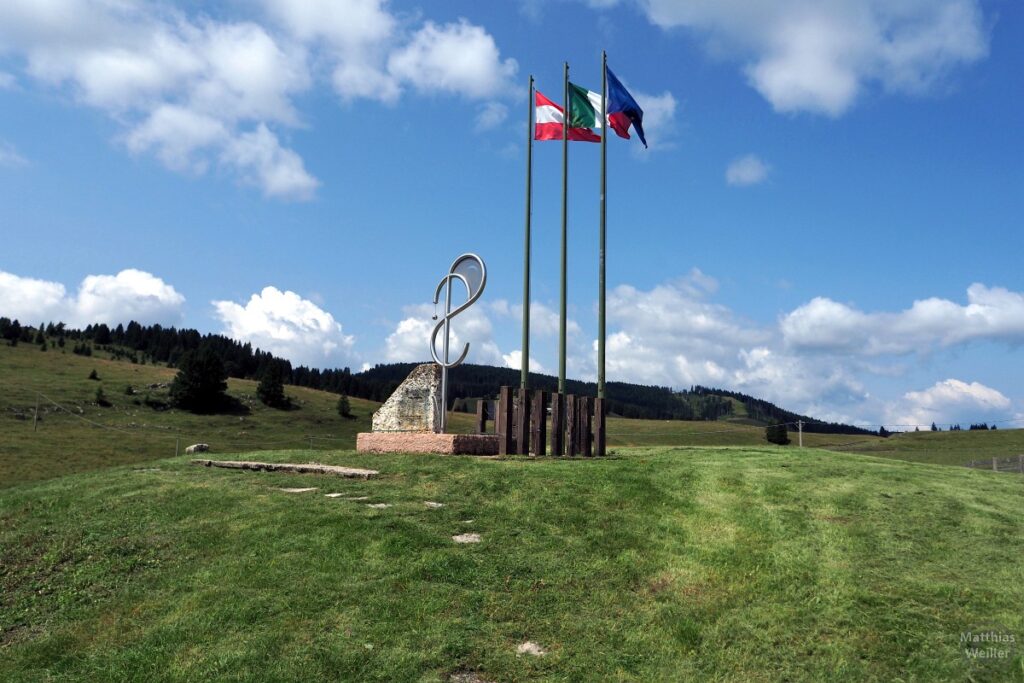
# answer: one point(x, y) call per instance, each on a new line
point(720, 564)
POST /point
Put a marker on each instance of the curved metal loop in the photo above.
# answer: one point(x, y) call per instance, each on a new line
point(447, 318)
point(472, 297)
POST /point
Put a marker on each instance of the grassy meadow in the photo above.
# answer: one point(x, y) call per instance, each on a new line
point(704, 564)
point(80, 435)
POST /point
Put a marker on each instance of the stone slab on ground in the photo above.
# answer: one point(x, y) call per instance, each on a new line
point(426, 442)
point(467, 538)
point(307, 468)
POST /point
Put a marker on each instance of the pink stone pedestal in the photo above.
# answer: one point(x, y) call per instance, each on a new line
point(427, 442)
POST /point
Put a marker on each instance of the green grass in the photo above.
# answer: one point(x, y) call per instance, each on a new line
point(944, 448)
point(132, 432)
point(704, 564)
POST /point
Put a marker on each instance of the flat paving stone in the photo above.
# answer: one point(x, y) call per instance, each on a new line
point(311, 488)
point(466, 538)
point(378, 506)
point(531, 648)
point(432, 505)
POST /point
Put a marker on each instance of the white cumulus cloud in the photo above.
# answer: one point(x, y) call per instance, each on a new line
point(991, 313)
point(747, 170)
point(951, 401)
point(820, 56)
point(129, 295)
point(200, 90)
point(287, 325)
point(457, 58)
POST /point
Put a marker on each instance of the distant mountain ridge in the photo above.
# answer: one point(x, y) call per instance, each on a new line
point(155, 343)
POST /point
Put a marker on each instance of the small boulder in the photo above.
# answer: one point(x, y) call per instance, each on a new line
point(197, 448)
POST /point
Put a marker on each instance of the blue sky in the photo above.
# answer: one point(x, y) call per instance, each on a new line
point(827, 217)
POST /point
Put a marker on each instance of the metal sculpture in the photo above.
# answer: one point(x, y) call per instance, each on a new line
point(471, 271)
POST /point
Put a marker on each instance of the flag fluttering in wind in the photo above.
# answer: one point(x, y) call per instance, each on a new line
point(623, 109)
point(549, 121)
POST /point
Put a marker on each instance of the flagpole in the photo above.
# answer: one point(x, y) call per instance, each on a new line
point(565, 231)
point(524, 373)
point(603, 214)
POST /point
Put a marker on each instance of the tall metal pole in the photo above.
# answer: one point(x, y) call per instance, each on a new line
point(524, 373)
point(565, 229)
point(444, 366)
point(601, 249)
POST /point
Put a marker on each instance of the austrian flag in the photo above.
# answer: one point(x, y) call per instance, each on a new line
point(550, 118)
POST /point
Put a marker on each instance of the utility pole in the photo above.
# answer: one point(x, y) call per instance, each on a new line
point(800, 431)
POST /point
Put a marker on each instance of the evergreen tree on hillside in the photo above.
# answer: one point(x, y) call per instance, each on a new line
point(777, 434)
point(200, 383)
point(271, 387)
point(343, 407)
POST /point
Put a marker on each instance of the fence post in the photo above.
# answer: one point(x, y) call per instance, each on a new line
point(586, 438)
point(572, 426)
point(523, 422)
point(35, 415)
point(995, 464)
point(177, 445)
point(557, 424)
point(504, 423)
point(540, 423)
point(310, 443)
point(481, 416)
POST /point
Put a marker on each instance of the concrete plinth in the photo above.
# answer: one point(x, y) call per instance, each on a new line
point(427, 442)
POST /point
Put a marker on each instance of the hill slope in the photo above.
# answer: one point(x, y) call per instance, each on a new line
point(686, 564)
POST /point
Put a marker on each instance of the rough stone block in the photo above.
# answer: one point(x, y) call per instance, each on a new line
point(415, 405)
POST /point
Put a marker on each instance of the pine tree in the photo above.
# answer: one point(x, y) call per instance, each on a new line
point(200, 383)
point(343, 407)
point(271, 387)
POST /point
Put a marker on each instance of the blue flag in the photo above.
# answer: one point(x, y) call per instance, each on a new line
point(623, 109)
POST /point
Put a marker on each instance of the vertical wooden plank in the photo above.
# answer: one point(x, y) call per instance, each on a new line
point(538, 436)
point(572, 426)
point(505, 436)
point(586, 437)
point(557, 424)
point(600, 437)
point(523, 422)
point(481, 416)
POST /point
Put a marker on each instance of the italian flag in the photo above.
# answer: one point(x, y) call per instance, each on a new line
point(622, 109)
point(550, 119)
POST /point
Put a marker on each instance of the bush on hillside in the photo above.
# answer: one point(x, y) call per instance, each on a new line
point(777, 434)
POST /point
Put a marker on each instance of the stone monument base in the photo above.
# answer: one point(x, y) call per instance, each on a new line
point(427, 442)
